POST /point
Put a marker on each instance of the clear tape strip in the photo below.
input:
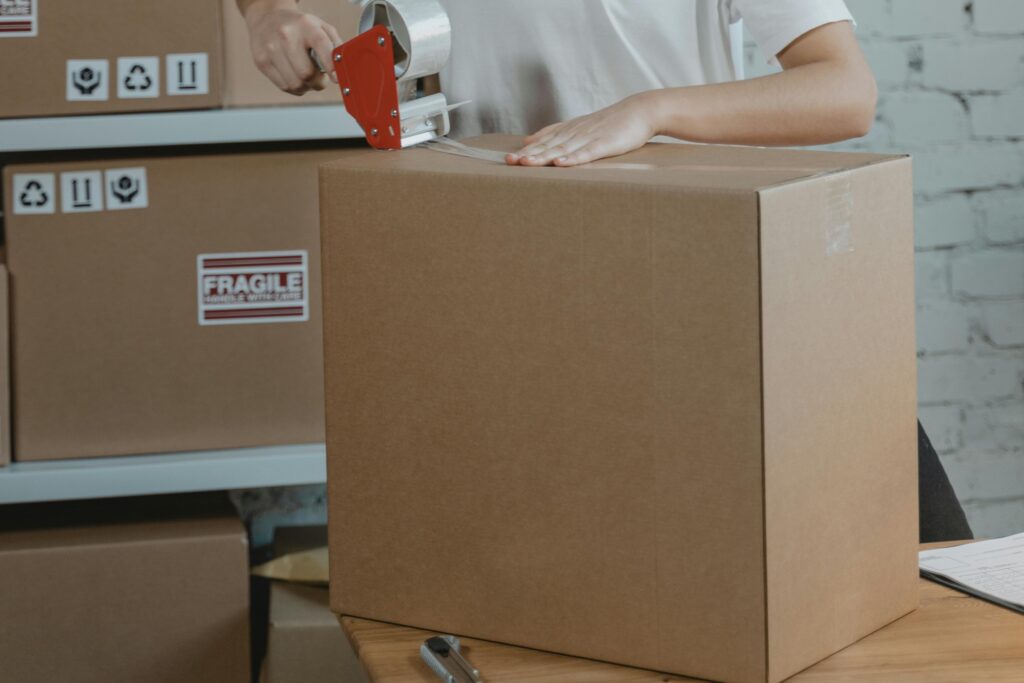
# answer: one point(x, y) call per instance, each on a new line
point(839, 214)
point(449, 146)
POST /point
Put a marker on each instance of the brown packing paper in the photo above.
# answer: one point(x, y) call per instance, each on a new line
point(309, 566)
point(652, 402)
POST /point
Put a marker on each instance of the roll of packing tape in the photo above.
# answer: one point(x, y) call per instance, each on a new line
point(422, 34)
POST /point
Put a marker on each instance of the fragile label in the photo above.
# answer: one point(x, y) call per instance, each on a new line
point(253, 287)
point(126, 188)
point(18, 18)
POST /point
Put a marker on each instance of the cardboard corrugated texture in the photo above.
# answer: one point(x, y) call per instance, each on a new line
point(124, 591)
point(109, 356)
point(305, 642)
point(246, 86)
point(587, 376)
point(71, 65)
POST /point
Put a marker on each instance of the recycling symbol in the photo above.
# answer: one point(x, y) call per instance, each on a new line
point(33, 195)
point(138, 79)
point(85, 80)
point(125, 188)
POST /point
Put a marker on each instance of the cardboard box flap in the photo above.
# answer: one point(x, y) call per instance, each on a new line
point(682, 167)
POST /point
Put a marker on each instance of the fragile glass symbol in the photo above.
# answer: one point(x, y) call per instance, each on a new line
point(125, 189)
point(33, 194)
point(85, 80)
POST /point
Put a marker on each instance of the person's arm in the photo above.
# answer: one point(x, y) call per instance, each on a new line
point(825, 93)
point(281, 36)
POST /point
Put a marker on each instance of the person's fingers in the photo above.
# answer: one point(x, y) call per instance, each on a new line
point(558, 148)
point(597, 149)
point(530, 143)
point(302, 64)
point(561, 143)
point(335, 38)
point(540, 134)
point(294, 84)
point(266, 65)
point(552, 139)
point(323, 46)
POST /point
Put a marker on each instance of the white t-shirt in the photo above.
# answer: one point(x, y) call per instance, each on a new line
point(525, 64)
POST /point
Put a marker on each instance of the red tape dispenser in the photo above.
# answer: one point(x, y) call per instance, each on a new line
point(399, 41)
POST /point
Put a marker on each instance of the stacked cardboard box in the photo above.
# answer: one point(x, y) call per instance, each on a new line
point(108, 56)
point(165, 304)
point(659, 410)
point(304, 641)
point(115, 56)
point(124, 591)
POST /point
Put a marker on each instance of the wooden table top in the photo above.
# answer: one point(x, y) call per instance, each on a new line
point(951, 638)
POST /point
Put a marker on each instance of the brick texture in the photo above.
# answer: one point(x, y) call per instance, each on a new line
point(951, 93)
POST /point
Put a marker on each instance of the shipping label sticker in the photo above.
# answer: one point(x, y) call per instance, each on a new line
point(253, 287)
point(188, 74)
point(81, 191)
point(33, 193)
point(19, 19)
point(138, 77)
point(126, 188)
point(87, 80)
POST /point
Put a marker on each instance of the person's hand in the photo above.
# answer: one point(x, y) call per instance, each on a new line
point(614, 130)
point(281, 36)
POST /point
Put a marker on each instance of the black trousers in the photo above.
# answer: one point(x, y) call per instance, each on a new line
point(942, 517)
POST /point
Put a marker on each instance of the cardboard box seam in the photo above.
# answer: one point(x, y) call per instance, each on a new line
point(888, 159)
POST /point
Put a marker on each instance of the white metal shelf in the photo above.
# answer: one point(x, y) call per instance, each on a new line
point(32, 482)
point(203, 127)
point(29, 482)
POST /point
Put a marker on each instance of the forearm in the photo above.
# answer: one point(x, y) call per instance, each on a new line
point(811, 104)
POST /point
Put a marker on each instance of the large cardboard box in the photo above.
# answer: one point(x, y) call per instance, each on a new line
point(124, 591)
point(165, 304)
point(304, 641)
point(74, 57)
point(246, 86)
point(659, 410)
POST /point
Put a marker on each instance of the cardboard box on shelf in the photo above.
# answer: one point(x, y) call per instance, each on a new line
point(108, 56)
point(662, 406)
point(165, 304)
point(124, 591)
point(304, 641)
point(246, 86)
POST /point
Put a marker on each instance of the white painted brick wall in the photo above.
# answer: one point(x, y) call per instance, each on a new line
point(998, 16)
point(951, 92)
point(951, 84)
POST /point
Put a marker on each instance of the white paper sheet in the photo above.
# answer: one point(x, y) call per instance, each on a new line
point(993, 570)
